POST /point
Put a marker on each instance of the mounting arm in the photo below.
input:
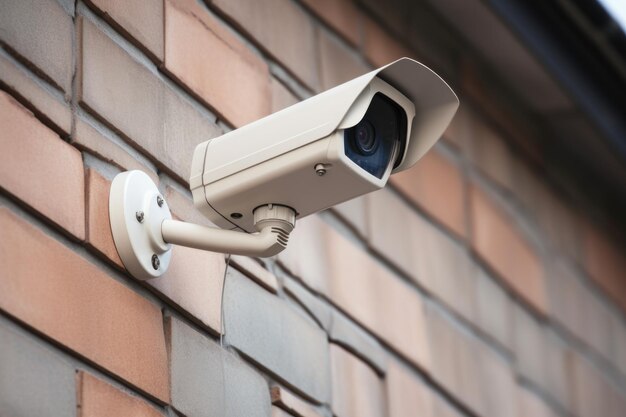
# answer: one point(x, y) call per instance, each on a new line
point(144, 232)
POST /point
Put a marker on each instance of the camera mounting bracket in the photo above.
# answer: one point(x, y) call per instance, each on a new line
point(144, 232)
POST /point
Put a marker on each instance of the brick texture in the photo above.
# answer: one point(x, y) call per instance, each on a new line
point(381, 48)
point(357, 390)
point(276, 336)
point(98, 223)
point(34, 381)
point(423, 252)
point(80, 307)
point(97, 398)
point(407, 394)
point(337, 62)
point(502, 246)
point(437, 185)
point(605, 264)
point(114, 86)
point(342, 15)
point(290, 402)
point(209, 381)
point(282, 28)
point(40, 169)
point(142, 20)
point(103, 146)
point(482, 282)
point(47, 105)
point(238, 88)
point(53, 33)
point(353, 281)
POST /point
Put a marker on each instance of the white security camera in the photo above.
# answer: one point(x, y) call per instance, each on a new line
point(328, 149)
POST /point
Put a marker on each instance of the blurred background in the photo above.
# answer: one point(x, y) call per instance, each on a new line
point(489, 280)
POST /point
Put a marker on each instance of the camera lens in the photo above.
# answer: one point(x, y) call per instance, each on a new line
point(375, 143)
point(365, 137)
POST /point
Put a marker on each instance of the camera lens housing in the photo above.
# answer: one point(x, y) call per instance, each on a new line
point(379, 138)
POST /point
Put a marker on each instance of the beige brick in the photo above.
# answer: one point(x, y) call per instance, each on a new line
point(557, 380)
point(88, 138)
point(493, 309)
point(40, 31)
point(139, 104)
point(39, 168)
point(456, 359)
point(343, 16)
point(332, 265)
point(281, 96)
point(354, 212)
point(97, 398)
point(490, 154)
point(338, 63)
point(407, 394)
point(239, 87)
point(459, 131)
point(423, 252)
point(502, 246)
point(437, 185)
point(499, 390)
point(80, 307)
point(357, 390)
point(580, 310)
point(529, 404)
point(142, 20)
point(46, 105)
point(98, 223)
point(594, 394)
point(559, 223)
point(282, 28)
point(606, 264)
point(529, 345)
point(194, 283)
point(289, 401)
point(381, 48)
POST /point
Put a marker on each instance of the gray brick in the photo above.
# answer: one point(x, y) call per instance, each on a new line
point(41, 32)
point(347, 334)
point(493, 309)
point(277, 337)
point(34, 381)
point(51, 106)
point(207, 380)
point(137, 102)
point(529, 345)
point(320, 311)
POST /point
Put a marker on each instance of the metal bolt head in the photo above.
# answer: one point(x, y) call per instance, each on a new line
point(160, 201)
point(320, 170)
point(156, 262)
point(139, 216)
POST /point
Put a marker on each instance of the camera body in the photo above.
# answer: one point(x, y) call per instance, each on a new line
point(328, 149)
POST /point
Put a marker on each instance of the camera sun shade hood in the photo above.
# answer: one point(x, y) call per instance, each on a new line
point(315, 118)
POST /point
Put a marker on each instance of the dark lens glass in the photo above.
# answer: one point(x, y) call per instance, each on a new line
point(372, 143)
point(365, 137)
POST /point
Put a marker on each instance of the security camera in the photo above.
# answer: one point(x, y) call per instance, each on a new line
point(255, 181)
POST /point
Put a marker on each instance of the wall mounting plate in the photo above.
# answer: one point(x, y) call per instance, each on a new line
point(136, 211)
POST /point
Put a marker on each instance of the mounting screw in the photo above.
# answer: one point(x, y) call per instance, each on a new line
point(160, 201)
point(156, 262)
point(320, 170)
point(139, 216)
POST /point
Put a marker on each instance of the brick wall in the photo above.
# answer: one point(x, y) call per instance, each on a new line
point(469, 287)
